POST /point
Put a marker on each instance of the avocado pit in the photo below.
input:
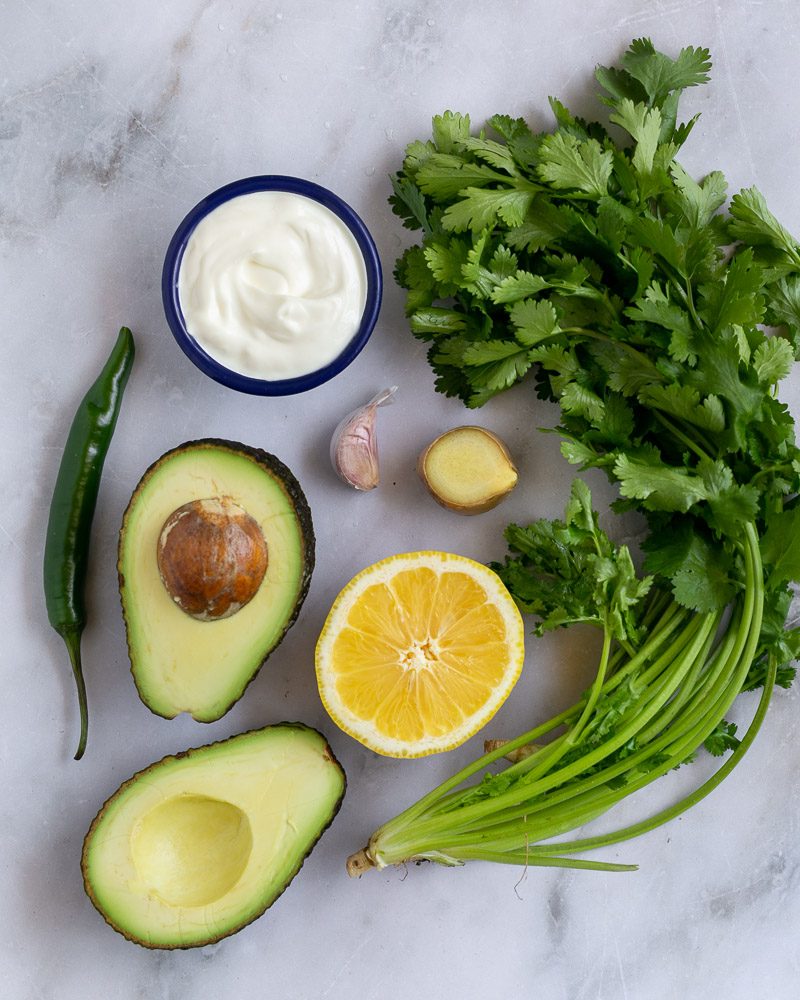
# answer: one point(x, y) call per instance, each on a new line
point(212, 557)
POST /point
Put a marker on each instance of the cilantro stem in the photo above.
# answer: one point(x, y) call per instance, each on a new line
point(529, 859)
point(622, 344)
point(768, 470)
point(701, 452)
point(697, 681)
point(594, 693)
point(688, 298)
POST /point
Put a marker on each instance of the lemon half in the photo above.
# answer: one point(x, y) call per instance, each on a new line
point(418, 653)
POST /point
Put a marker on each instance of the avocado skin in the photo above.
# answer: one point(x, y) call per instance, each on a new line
point(327, 752)
point(293, 490)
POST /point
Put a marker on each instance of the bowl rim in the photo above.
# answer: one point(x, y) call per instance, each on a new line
point(171, 270)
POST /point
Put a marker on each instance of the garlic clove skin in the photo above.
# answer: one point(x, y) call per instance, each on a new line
point(355, 453)
point(354, 446)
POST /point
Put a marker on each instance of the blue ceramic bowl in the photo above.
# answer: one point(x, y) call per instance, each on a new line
point(172, 306)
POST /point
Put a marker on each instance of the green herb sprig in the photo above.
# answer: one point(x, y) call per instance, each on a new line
point(660, 324)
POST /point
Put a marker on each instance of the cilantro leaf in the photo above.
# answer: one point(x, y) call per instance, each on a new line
point(409, 203)
point(492, 152)
point(534, 321)
point(446, 260)
point(755, 225)
point(783, 306)
point(702, 588)
point(659, 75)
point(412, 273)
point(522, 143)
point(518, 286)
point(436, 320)
point(578, 400)
point(496, 364)
point(735, 301)
point(731, 504)
point(450, 130)
point(478, 208)
point(543, 225)
point(444, 176)
point(722, 739)
point(659, 486)
point(627, 373)
point(567, 162)
point(698, 202)
point(656, 307)
point(773, 360)
point(701, 575)
point(683, 402)
point(780, 546)
point(643, 124)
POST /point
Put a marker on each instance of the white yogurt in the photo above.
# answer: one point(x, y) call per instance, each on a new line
point(272, 285)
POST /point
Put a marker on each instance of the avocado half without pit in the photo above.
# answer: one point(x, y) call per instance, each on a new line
point(215, 558)
point(197, 845)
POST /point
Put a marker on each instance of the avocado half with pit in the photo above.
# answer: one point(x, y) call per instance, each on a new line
point(216, 553)
point(196, 846)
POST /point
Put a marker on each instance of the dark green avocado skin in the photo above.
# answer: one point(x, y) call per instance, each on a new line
point(327, 752)
point(291, 487)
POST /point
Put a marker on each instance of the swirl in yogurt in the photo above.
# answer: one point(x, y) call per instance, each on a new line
point(272, 285)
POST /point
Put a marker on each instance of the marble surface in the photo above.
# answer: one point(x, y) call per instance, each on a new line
point(114, 120)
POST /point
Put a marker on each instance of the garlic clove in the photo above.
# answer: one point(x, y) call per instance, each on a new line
point(354, 446)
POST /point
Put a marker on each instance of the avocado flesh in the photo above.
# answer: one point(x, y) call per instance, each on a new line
point(182, 664)
point(196, 846)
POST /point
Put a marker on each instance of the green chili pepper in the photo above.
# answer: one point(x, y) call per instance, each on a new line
point(72, 509)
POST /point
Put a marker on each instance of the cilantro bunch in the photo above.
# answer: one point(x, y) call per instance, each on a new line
point(589, 260)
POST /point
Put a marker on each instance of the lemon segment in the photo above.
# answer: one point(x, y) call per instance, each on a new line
point(418, 652)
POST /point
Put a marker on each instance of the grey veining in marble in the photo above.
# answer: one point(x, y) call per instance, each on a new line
point(114, 120)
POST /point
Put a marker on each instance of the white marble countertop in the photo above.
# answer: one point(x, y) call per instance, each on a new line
point(114, 120)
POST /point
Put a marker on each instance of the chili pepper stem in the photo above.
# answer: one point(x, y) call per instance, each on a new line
point(73, 644)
